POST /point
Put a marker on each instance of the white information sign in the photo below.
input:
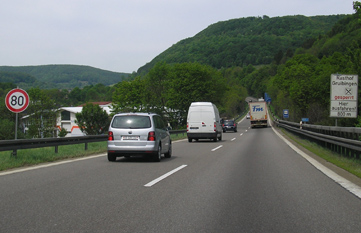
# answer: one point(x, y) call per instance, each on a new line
point(344, 93)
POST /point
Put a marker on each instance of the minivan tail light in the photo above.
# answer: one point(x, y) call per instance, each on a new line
point(110, 136)
point(151, 136)
point(215, 126)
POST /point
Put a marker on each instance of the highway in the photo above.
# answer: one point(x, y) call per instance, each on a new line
point(251, 181)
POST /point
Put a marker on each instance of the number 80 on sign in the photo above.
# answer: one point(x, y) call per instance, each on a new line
point(17, 100)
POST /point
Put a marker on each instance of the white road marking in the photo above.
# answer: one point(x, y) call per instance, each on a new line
point(48, 165)
point(241, 134)
point(348, 185)
point(217, 148)
point(233, 139)
point(150, 184)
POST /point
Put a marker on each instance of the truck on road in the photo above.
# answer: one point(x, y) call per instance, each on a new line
point(258, 113)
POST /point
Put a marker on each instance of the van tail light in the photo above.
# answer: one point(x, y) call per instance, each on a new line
point(187, 126)
point(215, 127)
point(151, 136)
point(110, 136)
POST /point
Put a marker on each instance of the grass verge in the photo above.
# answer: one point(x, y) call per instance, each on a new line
point(352, 165)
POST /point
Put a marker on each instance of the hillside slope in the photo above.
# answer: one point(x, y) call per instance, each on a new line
point(244, 41)
point(58, 76)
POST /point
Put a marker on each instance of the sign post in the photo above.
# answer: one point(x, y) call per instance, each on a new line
point(285, 113)
point(17, 100)
point(344, 96)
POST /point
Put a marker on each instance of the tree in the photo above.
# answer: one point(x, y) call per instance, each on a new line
point(92, 120)
point(130, 96)
point(193, 82)
point(42, 115)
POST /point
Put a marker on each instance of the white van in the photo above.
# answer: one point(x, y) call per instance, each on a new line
point(203, 122)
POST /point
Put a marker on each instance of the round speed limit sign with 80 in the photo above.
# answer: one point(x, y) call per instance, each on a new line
point(17, 100)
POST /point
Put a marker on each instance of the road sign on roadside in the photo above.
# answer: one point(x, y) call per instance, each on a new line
point(17, 100)
point(285, 113)
point(344, 95)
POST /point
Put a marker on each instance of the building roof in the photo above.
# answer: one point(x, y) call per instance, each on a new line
point(104, 103)
point(79, 109)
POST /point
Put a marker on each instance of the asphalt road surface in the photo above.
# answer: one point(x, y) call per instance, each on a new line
point(251, 181)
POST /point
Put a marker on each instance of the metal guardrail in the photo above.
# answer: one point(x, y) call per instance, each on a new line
point(343, 140)
point(14, 145)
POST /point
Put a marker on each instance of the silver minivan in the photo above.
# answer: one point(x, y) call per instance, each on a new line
point(138, 133)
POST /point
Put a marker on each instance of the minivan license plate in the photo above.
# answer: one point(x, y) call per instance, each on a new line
point(130, 137)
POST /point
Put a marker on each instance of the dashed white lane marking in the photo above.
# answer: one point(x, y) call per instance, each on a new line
point(233, 139)
point(150, 184)
point(217, 148)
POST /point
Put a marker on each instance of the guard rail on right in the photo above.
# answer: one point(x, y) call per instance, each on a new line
point(343, 140)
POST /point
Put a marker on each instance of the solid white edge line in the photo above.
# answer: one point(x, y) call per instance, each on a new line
point(348, 185)
point(217, 148)
point(49, 165)
point(153, 182)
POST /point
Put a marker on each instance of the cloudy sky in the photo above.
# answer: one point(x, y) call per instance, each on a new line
point(123, 35)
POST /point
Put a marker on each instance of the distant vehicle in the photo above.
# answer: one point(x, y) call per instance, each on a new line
point(258, 114)
point(229, 125)
point(203, 122)
point(138, 133)
point(248, 115)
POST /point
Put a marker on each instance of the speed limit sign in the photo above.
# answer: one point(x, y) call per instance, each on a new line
point(17, 100)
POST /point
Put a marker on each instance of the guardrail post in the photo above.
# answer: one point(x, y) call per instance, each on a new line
point(14, 153)
point(86, 146)
point(56, 149)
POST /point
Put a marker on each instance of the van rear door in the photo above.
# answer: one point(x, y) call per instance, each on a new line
point(201, 121)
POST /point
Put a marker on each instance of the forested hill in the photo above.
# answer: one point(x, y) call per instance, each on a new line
point(58, 76)
point(244, 41)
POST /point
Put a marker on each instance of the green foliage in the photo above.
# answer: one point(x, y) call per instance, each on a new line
point(58, 76)
point(170, 89)
point(244, 41)
point(129, 96)
point(63, 132)
point(41, 115)
point(92, 120)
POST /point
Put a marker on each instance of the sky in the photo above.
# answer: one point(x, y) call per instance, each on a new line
point(123, 35)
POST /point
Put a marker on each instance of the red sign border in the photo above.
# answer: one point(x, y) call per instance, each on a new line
point(8, 97)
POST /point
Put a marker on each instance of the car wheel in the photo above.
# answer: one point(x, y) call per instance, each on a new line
point(215, 139)
point(111, 157)
point(158, 155)
point(190, 139)
point(169, 153)
point(220, 138)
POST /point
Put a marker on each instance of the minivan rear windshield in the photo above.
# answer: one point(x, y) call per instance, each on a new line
point(131, 122)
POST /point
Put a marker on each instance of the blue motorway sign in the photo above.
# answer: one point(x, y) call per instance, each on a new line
point(285, 113)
